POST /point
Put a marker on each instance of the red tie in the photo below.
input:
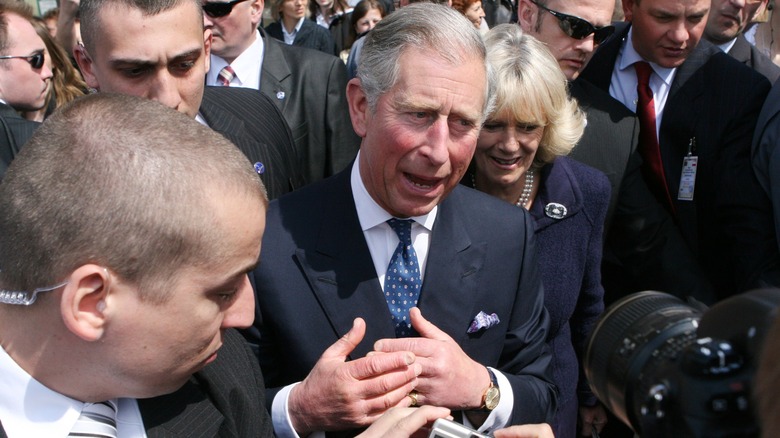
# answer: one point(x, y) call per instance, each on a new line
point(226, 75)
point(648, 139)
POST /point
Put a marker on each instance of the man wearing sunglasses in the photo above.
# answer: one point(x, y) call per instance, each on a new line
point(308, 86)
point(160, 50)
point(643, 249)
point(725, 27)
point(698, 108)
point(24, 78)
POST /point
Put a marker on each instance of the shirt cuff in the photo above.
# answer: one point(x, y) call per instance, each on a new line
point(280, 416)
point(502, 414)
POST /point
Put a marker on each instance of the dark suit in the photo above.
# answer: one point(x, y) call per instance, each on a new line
point(311, 35)
point(14, 132)
point(749, 55)
point(766, 145)
point(225, 399)
point(643, 248)
point(252, 122)
point(318, 275)
point(314, 103)
point(715, 100)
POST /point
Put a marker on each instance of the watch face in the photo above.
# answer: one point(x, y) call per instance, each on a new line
point(492, 396)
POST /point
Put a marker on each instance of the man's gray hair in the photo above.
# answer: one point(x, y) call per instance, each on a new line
point(420, 26)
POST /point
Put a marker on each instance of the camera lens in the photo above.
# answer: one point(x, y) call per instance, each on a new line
point(635, 338)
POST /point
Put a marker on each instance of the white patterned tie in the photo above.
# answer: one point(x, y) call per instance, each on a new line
point(97, 420)
point(402, 280)
point(226, 75)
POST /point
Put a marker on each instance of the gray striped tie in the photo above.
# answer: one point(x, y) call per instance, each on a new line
point(97, 420)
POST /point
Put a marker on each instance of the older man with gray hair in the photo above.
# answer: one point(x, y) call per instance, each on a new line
point(395, 266)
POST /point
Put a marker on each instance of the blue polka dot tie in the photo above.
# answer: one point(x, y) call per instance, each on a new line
point(402, 281)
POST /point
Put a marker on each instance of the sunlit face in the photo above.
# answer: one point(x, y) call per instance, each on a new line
point(236, 31)
point(368, 21)
point(728, 18)
point(418, 142)
point(21, 86)
point(572, 54)
point(159, 346)
point(163, 57)
point(505, 151)
point(294, 9)
point(666, 31)
point(475, 14)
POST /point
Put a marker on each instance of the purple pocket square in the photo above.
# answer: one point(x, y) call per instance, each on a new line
point(483, 321)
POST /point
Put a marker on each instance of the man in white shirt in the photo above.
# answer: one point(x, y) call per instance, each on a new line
point(308, 86)
point(123, 274)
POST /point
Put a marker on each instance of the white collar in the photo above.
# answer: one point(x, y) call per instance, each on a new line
point(247, 66)
point(630, 56)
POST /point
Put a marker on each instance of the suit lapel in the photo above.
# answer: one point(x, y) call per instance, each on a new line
point(703, 51)
point(741, 50)
point(452, 271)
point(275, 73)
point(187, 412)
point(341, 272)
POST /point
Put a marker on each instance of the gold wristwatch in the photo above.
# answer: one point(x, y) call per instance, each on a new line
point(492, 394)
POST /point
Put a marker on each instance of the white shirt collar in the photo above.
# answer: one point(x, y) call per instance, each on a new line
point(289, 37)
point(727, 45)
point(248, 66)
point(30, 409)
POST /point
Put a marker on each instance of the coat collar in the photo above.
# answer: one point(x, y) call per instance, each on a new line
point(558, 187)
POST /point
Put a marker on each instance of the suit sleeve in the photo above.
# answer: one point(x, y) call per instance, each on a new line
point(766, 155)
point(526, 358)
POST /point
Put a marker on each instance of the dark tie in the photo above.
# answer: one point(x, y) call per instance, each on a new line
point(97, 420)
point(402, 281)
point(226, 75)
point(653, 168)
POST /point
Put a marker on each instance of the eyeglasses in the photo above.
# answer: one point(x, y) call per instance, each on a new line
point(220, 9)
point(36, 60)
point(578, 28)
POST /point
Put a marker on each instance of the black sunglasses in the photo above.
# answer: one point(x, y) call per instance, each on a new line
point(578, 28)
point(36, 60)
point(220, 9)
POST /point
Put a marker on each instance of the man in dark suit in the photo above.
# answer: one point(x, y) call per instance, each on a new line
point(725, 27)
point(643, 248)
point(162, 53)
point(331, 246)
point(707, 104)
point(144, 322)
point(24, 78)
point(308, 86)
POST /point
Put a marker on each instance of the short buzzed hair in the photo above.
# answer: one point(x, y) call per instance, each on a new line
point(89, 12)
point(122, 182)
point(19, 8)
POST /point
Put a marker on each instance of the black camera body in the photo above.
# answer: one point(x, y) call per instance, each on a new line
point(668, 368)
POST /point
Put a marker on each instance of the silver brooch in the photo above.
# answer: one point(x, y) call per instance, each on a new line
point(555, 210)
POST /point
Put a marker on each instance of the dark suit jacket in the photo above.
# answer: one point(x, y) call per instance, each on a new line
point(314, 103)
point(311, 35)
point(715, 100)
point(643, 248)
point(225, 399)
point(14, 133)
point(749, 55)
point(252, 122)
point(317, 275)
point(766, 145)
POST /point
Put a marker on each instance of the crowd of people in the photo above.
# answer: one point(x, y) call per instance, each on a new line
point(365, 216)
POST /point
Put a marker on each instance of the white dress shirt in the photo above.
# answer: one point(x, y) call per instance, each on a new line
point(247, 67)
point(289, 37)
point(382, 241)
point(30, 409)
point(623, 83)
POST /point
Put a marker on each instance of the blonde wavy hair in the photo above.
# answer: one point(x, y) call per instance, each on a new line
point(531, 86)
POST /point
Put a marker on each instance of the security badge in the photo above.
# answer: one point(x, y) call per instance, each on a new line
point(688, 176)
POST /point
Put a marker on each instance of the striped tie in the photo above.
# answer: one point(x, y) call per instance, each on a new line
point(226, 75)
point(97, 420)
